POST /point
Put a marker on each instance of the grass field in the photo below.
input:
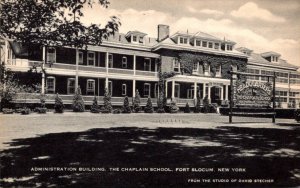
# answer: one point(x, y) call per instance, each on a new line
point(120, 151)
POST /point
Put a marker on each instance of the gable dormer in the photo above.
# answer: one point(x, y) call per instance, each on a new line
point(135, 37)
point(227, 45)
point(181, 38)
point(204, 40)
point(271, 56)
point(244, 50)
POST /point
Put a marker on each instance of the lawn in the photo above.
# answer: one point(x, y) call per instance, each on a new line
point(126, 153)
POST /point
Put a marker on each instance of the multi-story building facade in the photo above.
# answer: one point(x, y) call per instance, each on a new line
point(128, 62)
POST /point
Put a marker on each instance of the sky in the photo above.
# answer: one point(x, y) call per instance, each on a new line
point(260, 25)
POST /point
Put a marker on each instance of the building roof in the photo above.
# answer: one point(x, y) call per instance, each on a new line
point(201, 34)
point(135, 32)
point(268, 54)
point(259, 59)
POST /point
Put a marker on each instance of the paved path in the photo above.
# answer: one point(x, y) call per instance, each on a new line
point(20, 126)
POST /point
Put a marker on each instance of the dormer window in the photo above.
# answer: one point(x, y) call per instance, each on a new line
point(217, 46)
point(274, 59)
point(204, 44)
point(198, 42)
point(210, 45)
point(134, 39)
point(229, 48)
point(183, 40)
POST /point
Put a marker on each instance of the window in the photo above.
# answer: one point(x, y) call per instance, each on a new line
point(90, 87)
point(210, 45)
point(198, 42)
point(176, 65)
point(91, 58)
point(124, 62)
point(206, 69)
point(253, 71)
point(51, 55)
point(134, 38)
point(110, 87)
point(204, 44)
point(229, 47)
point(217, 46)
point(71, 86)
point(218, 71)
point(147, 64)
point(50, 85)
point(183, 40)
point(177, 90)
point(195, 66)
point(80, 58)
point(146, 90)
point(141, 40)
point(110, 61)
point(190, 93)
point(124, 89)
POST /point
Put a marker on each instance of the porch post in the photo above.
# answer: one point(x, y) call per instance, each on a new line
point(173, 89)
point(76, 76)
point(208, 94)
point(43, 74)
point(166, 89)
point(226, 92)
point(222, 93)
point(106, 66)
point(134, 64)
point(106, 82)
point(195, 90)
point(133, 88)
point(204, 90)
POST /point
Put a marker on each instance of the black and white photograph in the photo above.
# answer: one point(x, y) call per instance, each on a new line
point(152, 93)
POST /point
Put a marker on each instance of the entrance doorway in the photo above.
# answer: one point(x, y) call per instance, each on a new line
point(215, 95)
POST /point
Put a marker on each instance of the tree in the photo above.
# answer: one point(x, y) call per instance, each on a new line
point(59, 105)
point(137, 102)
point(187, 108)
point(78, 103)
point(53, 23)
point(107, 108)
point(126, 107)
point(95, 107)
point(148, 107)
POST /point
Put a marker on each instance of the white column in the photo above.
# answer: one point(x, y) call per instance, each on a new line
point(195, 90)
point(6, 52)
point(226, 92)
point(222, 93)
point(173, 89)
point(133, 88)
point(43, 74)
point(166, 88)
point(106, 66)
point(106, 82)
point(134, 64)
point(76, 76)
point(208, 94)
point(204, 90)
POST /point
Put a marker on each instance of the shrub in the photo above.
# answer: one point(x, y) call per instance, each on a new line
point(42, 109)
point(187, 108)
point(126, 107)
point(148, 107)
point(78, 103)
point(198, 106)
point(59, 105)
point(7, 111)
point(95, 107)
point(173, 107)
point(25, 111)
point(107, 108)
point(206, 107)
point(117, 111)
point(137, 102)
point(297, 115)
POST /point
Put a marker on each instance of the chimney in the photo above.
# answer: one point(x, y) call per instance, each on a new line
point(163, 32)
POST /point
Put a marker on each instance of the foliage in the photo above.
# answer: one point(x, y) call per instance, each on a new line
point(25, 111)
point(78, 103)
point(107, 108)
point(188, 59)
point(117, 111)
point(59, 105)
point(7, 111)
point(53, 23)
point(137, 102)
point(148, 108)
point(95, 108)
point(198, 106)
point(126, 107)
point(206, 107)
point(297, 115)
point(187, 108)
point(173, 107)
